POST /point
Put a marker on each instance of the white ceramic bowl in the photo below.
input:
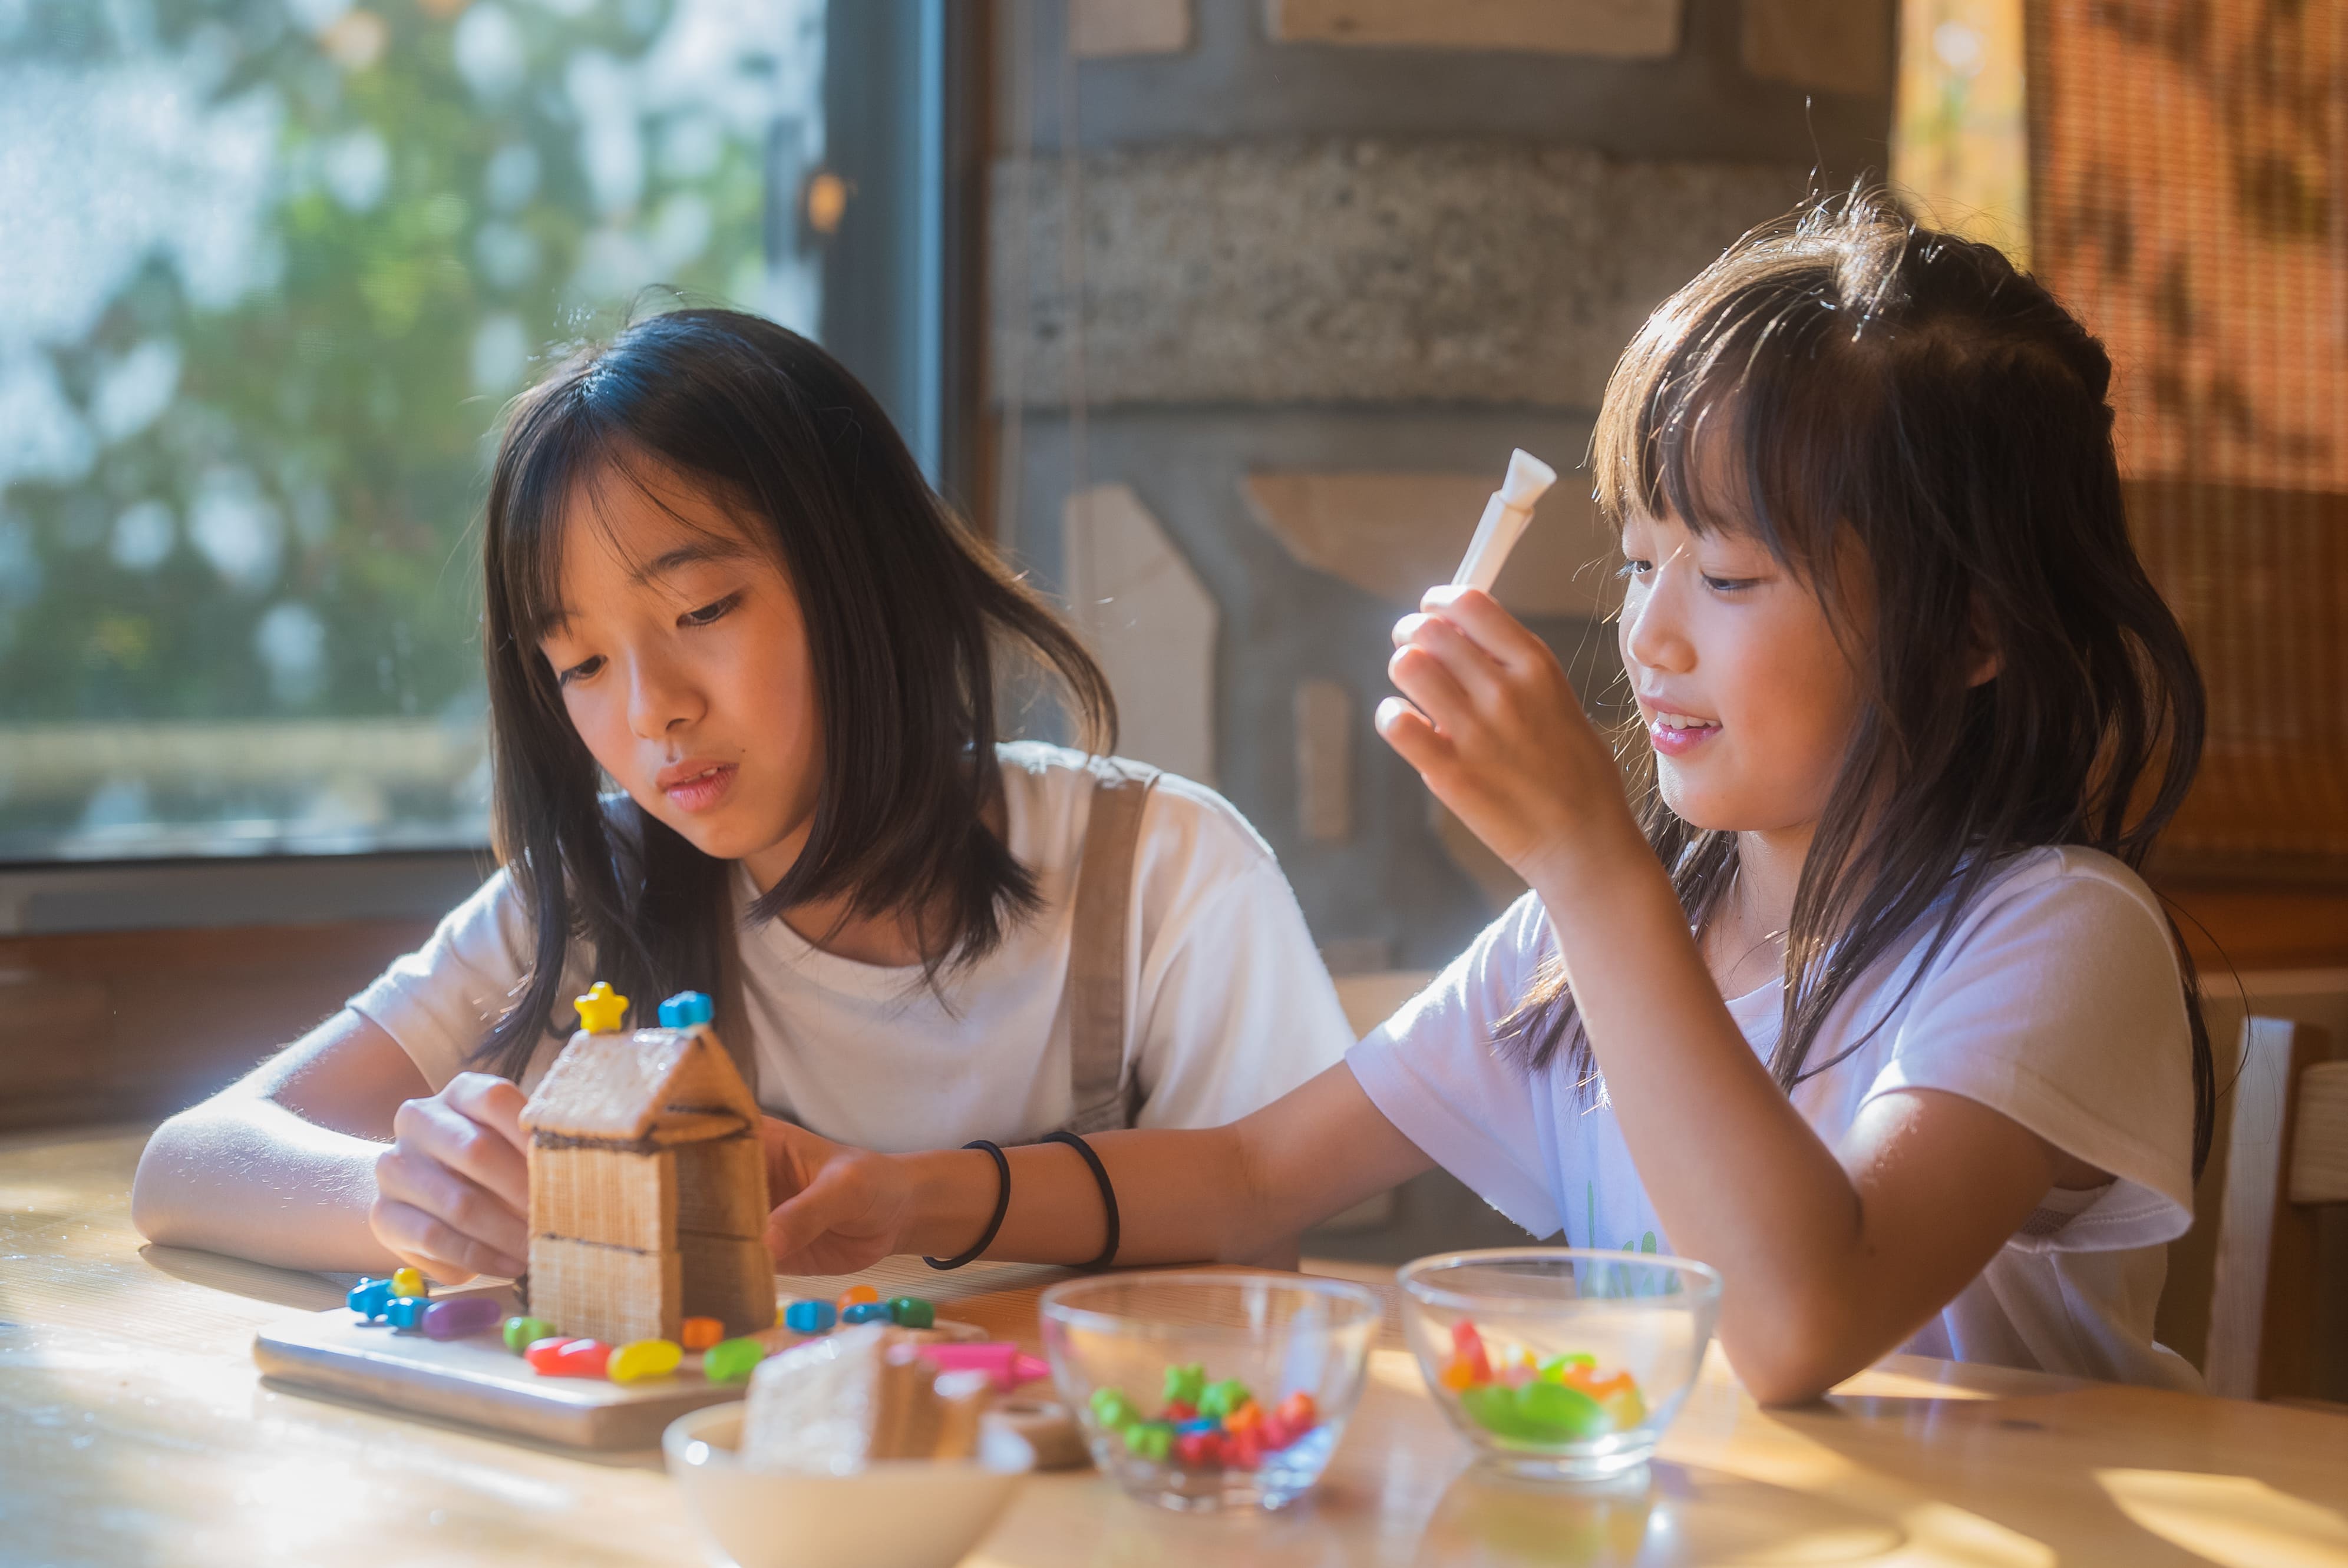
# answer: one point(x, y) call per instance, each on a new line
point(900, 1514)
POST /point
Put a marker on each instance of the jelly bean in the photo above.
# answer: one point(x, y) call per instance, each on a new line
point(700, 1333)
point(1494, 1408)
point(407, 1282)
point(540, 1354)
point(405, 1311)
point(460, 1315)
point(854, 1294)
point(1561, 1413)
point(865, 1312)
point(1244, 1451)
point(1203, 1424)
point(368, 1297)
point(1467, 1346)
point(583, 1359)
point(521, 1333)
point(1150, 1439)
point(1185, 1384)
point(1178, 1412)
point(811, 1316)
point(1219, 1399)
point(1199, 1450)
point(1457, 1375)
point(1271, 1435)
point(1112, 1409)
point(1007, 1365)
point(1298, 1413)
point(911, 1312)
point(731, 1361)
point(687, 1008)
point(641, 1358)
point(1247, 1417)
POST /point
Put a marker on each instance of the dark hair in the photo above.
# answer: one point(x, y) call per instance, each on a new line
point(904, 609)
point(1845, 375)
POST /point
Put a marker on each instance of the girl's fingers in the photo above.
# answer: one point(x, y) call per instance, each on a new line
point(495, 1102)
point(478, 1151)
point(823, 1218)
point(1498, 635)
point(1468, 664)
point(447, 1255)
point(403, 1175)
point(1429, 685)
point(1405, 729)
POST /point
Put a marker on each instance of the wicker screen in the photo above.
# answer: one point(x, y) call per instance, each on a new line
point(2190, 188)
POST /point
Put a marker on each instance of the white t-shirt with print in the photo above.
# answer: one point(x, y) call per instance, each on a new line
point(1226, 1003)
point(2057, 1001)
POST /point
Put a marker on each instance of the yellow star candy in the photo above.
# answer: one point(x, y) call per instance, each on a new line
point(601, 1009)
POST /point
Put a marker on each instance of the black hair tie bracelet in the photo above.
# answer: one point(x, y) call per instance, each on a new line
point(1108, 1194)
point(1002, 1207)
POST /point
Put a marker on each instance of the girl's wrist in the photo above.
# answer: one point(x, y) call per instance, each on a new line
point(950, 1197)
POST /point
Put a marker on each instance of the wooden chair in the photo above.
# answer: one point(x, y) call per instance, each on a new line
point(2287, 1155)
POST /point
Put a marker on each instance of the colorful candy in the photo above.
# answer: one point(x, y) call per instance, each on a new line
point(854, 1296)
point(700, 1333)
point(911, 1312)
point(563, 1358)
point(1547, 1402)
point(459, 1316)
point(521, 1333)
point(641, 1358)
point(406, 1312)
point(1202, 1425)
point(732, 1360)
point(1007, 1365)
point(368, 1297)
point(687, 1008)
point(811, 1316)
point(865, 1312)
point(407, 1282)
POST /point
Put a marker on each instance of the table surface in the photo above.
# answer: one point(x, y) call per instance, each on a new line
point(134, 1428)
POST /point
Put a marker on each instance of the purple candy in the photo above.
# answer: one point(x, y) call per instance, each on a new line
point(461, 1315)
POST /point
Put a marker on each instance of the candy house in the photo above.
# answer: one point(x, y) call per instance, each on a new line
point(647, 1190)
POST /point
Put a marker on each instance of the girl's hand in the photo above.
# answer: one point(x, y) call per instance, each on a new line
point(838, 1209)
point(1494, 728)
point(452, 1193)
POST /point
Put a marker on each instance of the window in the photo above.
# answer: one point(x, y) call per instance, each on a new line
point(275, 266)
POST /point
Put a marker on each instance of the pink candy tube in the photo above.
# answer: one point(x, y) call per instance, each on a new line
point(1006, 1364)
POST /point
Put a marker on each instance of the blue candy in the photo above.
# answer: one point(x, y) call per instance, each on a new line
point(687, 1008)
point(368, 1297)
point(406, 1311)
point(1203, 1424)
point(867, 1312)
point(810, 1317)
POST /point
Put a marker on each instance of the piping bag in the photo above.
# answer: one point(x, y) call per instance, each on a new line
point(1503, 523)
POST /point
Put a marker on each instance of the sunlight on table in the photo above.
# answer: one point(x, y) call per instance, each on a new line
point(2233, 1520)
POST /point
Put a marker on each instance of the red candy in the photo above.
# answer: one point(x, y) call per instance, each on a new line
point(1180, 1410)
point(1244, 1449)
point(1468, 1347)
point(1199, 1450)
point(561, 1357)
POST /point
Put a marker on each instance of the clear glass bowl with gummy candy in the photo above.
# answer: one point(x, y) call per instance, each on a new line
point(1559, 1363)
point(1210, 1390)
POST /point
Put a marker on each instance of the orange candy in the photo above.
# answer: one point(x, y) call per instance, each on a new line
point(1297, 1412)
point(700, 1333)
point(1249, 1416)
point(855, 1295)
point(1459, 1375)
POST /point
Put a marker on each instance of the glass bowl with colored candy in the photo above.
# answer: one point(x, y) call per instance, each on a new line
point(1559, 1363)
point(1210, 1390)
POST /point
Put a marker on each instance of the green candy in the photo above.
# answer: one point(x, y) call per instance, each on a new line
point(1112, 1409)
point(521, 1333)
point(1187, 1384)
point(1493, 1406)
point(731, 1361)
point(1150, 1439)
point(1220, 1400)
point(1554, 1367)
point(1560, 1413)
point(913, 1312)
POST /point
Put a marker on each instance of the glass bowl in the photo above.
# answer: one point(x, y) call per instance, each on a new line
point(1210, 1390)
point(1559, 1363)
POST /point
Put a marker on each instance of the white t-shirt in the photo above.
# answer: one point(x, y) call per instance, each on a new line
point(2057, 1001)
point(1226, 1003)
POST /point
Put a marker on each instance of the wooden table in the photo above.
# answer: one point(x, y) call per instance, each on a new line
point(134, 1430)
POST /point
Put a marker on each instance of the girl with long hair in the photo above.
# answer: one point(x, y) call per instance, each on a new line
point(1860, 997)
point(717, 580)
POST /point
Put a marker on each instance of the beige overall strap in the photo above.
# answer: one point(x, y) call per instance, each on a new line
point(1105, 1092)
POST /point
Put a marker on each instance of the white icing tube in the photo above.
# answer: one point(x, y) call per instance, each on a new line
point(1503, 523)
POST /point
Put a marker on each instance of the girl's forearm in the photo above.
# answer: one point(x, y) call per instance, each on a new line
point(246, 1177)
point(1737, 1177)
point(1181, 1197)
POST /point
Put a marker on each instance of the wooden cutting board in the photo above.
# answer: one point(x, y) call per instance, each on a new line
point(478, 1380)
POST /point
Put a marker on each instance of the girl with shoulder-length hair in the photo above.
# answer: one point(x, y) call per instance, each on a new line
point(1858, 995)
point(743, 674)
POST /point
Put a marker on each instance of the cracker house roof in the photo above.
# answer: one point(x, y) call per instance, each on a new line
point(655, 1084)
